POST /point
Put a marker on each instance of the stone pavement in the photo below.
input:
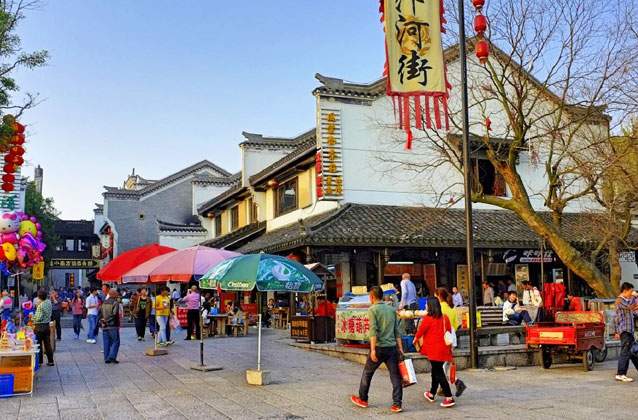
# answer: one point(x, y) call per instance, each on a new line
point(306, 386)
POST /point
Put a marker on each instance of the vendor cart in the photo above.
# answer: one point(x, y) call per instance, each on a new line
point(580, 335)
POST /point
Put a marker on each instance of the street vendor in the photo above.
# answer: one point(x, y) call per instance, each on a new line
point(575, 304)
point(324, 308)
point(514, 313)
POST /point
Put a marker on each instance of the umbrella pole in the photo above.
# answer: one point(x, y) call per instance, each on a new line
point(259, 344)
point(202, 367)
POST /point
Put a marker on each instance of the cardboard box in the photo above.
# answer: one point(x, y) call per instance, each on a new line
point(15, 361)
point(22, 378)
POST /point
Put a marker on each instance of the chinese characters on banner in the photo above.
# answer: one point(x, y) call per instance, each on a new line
point(329, 163)
point(13, 201)
point(352, 325)
point(415, 66)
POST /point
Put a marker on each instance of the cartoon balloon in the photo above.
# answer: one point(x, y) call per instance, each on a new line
point(10, 252)
point(27, 226)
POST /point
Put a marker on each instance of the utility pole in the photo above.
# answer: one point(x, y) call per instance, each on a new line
point(468, 188)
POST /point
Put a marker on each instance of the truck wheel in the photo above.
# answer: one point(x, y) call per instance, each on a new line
point(588, 360)
point(600, 355)
point(546, 358)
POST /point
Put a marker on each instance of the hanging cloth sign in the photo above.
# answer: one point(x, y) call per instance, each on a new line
point(415, 66)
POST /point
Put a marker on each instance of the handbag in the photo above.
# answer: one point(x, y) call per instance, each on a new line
point(408, 375)
point(634, 349)
point(174, 322)
point(448, 337)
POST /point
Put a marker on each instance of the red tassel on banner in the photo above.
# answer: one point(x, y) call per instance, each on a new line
point(408, 144)
point(417, 112)
point(447, 120)
point(428, 120)
point(400, 113)
point(437, 113)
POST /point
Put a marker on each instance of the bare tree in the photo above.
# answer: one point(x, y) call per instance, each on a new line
point(561, 77)
point(12, 57)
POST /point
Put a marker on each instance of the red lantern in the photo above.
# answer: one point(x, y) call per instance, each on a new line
point(480, 23)
point(8, 178)
point(478, 4)
point(17, 139)
point(19, 128)
point(9, 168)
point(211, 215)
point(7, 187)
point(273, 183)
point(14, 159)
point(482, 50)
point(17, 150)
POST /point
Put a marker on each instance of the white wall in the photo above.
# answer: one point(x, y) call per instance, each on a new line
point(180, 241)
point(205, 192)
point(379, 170)
point(255, 160)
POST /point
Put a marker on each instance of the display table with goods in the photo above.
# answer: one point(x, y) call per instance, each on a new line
point(18, 362)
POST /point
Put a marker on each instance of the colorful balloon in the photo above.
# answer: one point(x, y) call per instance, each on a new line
point(27, 226)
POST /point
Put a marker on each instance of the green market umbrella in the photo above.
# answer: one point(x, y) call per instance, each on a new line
point(269, 273)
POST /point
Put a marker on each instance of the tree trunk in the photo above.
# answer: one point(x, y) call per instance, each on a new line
point(569, 255)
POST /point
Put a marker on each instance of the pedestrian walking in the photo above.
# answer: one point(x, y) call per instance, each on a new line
point(110, 323)
point(162, 312)
point(56, 312)
point(385, 347)
point(92, 306)
point(193, 300)
point(142, 312)
point(445, 299)
point(152, 324)
point(408, 300)
point(41, 320)
point(432, 329)
point(78, 311)
point(626, 304)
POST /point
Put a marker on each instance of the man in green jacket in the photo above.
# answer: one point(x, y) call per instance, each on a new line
point(385, 347)
point(41, 320)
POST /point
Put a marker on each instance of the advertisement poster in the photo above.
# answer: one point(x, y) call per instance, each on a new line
point(352, 325)
point(522, 274)
point(462, 282)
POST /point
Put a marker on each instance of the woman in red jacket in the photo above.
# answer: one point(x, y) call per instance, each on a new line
point(432, 329)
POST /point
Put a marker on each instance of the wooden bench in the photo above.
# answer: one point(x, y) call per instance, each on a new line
point(491, 315)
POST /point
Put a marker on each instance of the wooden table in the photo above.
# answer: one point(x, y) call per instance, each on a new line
point(220, 321)
point(281, 317)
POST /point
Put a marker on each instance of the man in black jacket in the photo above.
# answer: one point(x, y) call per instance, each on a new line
point(110, 323)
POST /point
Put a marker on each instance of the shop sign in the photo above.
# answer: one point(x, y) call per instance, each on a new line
point(249, 308)
point(300, 327)
point(352, 325)
point(627, 256)
point(329, 159)
point(528, 256)
point(74, 263)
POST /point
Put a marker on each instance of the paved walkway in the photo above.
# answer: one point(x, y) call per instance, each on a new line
point(307, 386)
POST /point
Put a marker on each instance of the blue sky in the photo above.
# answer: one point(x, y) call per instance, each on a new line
point(158, 85)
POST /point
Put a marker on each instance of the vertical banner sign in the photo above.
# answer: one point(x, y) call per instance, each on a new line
point(415, 65)
point(329, 159)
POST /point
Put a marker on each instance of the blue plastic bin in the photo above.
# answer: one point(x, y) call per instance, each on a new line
point(6, 384)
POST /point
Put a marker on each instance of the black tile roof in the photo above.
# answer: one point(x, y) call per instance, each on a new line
point(305, 149)
point(258, 140)
point(178, 227)
point(74, 227)
point(397, 226)
point(239, 235)
point(226, 178)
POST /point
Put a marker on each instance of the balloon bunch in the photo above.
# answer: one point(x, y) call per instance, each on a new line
point(14, 151)
point(20, 241)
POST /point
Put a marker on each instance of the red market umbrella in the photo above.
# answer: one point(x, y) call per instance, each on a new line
point(180, 265)
point(112, 272)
